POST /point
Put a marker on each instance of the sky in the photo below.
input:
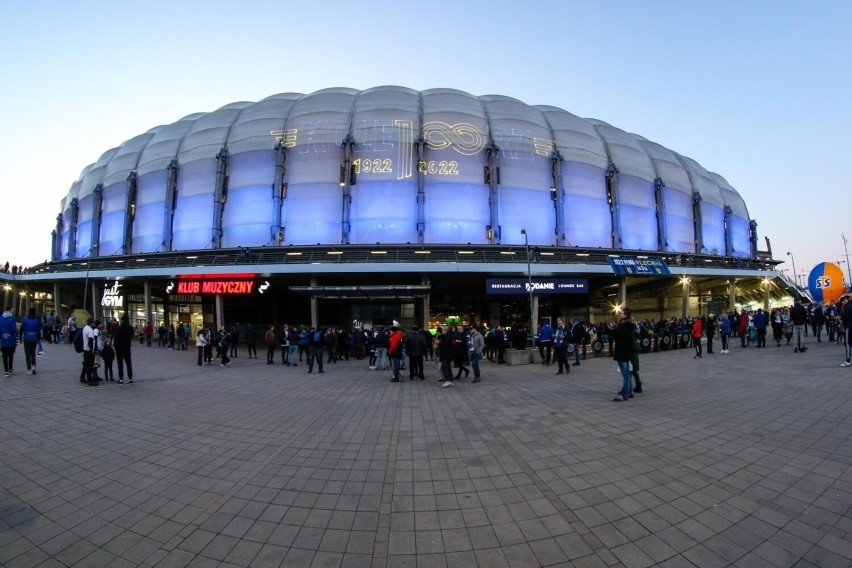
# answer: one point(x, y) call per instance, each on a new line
point(757, 91)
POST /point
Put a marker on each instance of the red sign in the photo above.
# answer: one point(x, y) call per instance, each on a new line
point(228, 287)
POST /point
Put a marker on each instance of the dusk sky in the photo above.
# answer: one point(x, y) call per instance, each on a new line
point(756, 91)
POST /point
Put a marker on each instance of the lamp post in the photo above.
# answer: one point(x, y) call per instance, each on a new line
point(529, 278)
point(86, 285)
point(848, 268)
point(795, 274)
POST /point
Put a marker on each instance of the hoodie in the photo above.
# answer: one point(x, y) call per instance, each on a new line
point(8, 330)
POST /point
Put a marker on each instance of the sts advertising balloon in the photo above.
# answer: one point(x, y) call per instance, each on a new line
point(826, 282)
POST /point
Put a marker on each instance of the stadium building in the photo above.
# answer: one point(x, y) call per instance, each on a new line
point(363, 208)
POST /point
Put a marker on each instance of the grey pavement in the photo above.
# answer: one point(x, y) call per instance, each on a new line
point(740, 459)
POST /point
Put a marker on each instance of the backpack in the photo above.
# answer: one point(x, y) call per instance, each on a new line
point(317, 337)
point(78, 340)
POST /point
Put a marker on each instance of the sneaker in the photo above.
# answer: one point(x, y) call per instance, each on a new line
point(120, 381)
point(129, 381)
point(447, 384)
point(29, 371)
point(7, 373)
point(845, 364)
point(34, 372)
point(372, 368)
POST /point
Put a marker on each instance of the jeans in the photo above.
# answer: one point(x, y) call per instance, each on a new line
point(396, 362)
point(292, 354)
point(475, 358)
point(381, 358)
point(415, 368)
point(626, 378)
point(315, 354)
point(30, 354)
point(200, 355)
point(798, 330)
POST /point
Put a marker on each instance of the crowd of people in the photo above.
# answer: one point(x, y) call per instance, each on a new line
point(458, 349)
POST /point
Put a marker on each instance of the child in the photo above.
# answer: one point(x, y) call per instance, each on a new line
point(108, 356)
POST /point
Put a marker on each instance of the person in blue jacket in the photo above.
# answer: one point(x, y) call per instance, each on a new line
point(725, 333)
point(545, 342)
point(29, 335)
point(8, 339)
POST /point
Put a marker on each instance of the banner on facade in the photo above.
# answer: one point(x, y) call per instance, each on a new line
point(539, 286)
point(638, 265)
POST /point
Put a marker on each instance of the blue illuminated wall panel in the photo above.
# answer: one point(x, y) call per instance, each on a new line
point(112, 220)
point(679, 223)
point(250, 213)
point(456, 213)
point(150, 210)
point(84, 226)
point(587, 216)
point(637, 207)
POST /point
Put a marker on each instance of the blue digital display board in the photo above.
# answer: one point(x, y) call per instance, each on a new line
point(635, 265)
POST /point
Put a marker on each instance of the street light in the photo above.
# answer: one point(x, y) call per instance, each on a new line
point(529, 277)
point(795, 274)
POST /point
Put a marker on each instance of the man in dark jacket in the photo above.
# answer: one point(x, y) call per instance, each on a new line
point(316, 340)
point(122, 343)
point(846, 321)
point(624, 335)
point(415, 348)
point(799, 315)
point(445, 355)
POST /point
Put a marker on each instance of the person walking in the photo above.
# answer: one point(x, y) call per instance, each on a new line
point(477, 344)
point(223, 343)
point(269, 339)
point(395, 349)
point(122, 343)
point(545, 342)
point(415, 348)
point(445, 355)
point(460, 354)
point(8, 339)
point(29, 336)
point(624, 336)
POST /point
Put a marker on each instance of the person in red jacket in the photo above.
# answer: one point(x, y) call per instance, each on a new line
point(395, 352)
point(696, 337)
point(743, 331)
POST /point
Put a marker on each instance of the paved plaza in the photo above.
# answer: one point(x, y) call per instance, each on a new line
point(740, 459)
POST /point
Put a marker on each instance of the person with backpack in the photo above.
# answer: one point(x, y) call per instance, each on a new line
point(315, 336)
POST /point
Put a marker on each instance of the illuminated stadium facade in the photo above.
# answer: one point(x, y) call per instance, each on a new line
point(390, 204)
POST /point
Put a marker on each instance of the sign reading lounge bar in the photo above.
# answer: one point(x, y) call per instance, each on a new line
point(634, 265)
point(539, 286)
